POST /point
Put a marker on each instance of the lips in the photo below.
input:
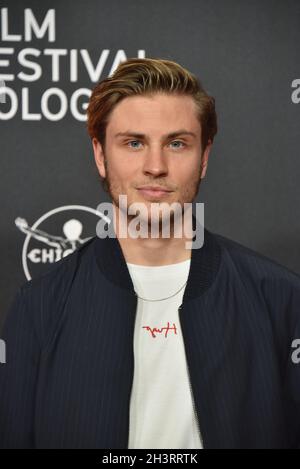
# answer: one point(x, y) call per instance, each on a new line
point(154, 188)
point(154, 192)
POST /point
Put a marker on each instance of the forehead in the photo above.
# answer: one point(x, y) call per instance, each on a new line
point(154, 112)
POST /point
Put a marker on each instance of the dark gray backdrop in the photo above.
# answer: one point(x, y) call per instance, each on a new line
point(247, 54)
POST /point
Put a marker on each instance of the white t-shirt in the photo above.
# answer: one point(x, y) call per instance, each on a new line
point(161, 408)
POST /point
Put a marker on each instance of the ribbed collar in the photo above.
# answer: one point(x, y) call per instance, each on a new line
point(205, 263)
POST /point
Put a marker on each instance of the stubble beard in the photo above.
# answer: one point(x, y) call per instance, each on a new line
point(188, 196)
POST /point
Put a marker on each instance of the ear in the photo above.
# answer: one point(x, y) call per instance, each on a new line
point(204, 159)
point(99, 157)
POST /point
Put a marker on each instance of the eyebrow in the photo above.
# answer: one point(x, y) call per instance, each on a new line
point(130, 133)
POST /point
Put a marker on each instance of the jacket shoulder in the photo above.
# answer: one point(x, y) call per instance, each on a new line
point(44, 297)
point(253, 263)
point(277, 286)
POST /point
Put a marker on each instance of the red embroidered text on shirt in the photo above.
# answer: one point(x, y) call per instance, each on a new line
point(157, 330)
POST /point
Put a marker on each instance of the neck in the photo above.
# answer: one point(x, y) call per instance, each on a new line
point(152, 251)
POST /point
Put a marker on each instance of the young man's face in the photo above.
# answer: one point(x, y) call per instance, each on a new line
point(153, 158)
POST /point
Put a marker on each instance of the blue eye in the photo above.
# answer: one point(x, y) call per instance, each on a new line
point(137, 141)
point(133, 141)
point(178, 141)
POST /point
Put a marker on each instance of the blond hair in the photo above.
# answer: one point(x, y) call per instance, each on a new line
point(145, 77)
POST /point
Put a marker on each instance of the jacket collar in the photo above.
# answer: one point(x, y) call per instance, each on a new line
point(205, 264)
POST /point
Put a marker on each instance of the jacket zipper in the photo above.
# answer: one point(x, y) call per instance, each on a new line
point(133, 370)
point(191, 390)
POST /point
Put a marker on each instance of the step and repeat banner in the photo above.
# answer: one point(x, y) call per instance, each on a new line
point(52, 53)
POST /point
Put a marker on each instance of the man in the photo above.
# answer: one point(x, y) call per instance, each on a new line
point(141, 342)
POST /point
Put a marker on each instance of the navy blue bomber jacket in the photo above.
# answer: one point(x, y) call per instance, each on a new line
point(69, 364)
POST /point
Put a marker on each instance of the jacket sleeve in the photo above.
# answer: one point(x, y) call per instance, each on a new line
point(282, 295)
point(18, 375)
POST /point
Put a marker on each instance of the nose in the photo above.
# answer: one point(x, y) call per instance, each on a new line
point(155, 162)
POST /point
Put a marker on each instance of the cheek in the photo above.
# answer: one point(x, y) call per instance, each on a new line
point(128, 176)
point(186, 175)
point(121, 167)
point(120, 178)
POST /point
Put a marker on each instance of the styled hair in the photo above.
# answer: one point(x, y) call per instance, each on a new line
point(146, 77)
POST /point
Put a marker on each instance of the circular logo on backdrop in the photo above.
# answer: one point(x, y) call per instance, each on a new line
point(55, 235)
